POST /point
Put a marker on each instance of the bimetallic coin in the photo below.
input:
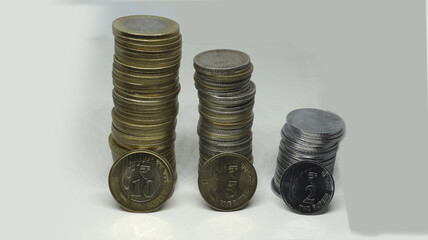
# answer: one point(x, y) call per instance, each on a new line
point(307, 187)
point(227, 182)
point(143, 46)
point(141, 181)
point(149, 98)
point(145, 26)
point(145, 130)
point(146, 118)
point(142, 64)
point(134, 67)
point(144, 88)
point(147, 41)
point(137, 77)
point(131, 140)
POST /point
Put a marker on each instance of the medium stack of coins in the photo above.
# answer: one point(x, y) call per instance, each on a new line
point(226, 100)
point(227, 179)
point(309, 135)
point(145, 77)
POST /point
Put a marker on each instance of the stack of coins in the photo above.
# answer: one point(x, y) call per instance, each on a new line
point(309, 135)
point(226, 100)
point(145, 78)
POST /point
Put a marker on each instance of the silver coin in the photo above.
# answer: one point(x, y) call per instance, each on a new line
point(238, 99)
point(315, 121)
point(313, 138)
point(298, 138)
point(220, 86)
point(221, 61)
point(231, 93)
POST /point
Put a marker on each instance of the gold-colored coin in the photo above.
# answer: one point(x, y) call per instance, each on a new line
point(150, 52)
point(142, 88)
point(168, 153)
point(203, 161)
point(154, 117)
point(137, 144)
point(134, 67)
point(149, 57)
point(148, 118)
point(227, 181)
point(141, 181)
point(143, 47)
point(141, 62)
point(148, 41)
point(145, 130)
point(156, 96)
point(141, 109)
point(129, 140)
point(144, 105)
point(145, 26)
point(137, 121)
point(149, 79)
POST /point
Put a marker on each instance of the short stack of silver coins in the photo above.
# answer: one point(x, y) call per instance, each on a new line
point(308, 135)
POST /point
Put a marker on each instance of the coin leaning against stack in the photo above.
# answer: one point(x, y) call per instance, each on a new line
point(226, 99)
point(310, 140)
point(146, 86)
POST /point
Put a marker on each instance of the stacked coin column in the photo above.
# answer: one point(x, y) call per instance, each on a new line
point(226, 100)
point(310, 141)
point(145, 77)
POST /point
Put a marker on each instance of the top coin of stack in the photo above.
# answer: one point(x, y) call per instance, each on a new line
point(146, 86)
point(227, 178)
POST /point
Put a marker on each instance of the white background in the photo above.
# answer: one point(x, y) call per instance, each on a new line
point(56, 99)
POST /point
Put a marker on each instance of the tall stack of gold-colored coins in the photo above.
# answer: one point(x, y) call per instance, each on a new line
point(145, 77)
point(227, 178)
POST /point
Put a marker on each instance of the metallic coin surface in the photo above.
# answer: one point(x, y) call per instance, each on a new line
point(145, 26)
point(145, 40)
point(225, 78)
point(221, 61)
point(226, 99)
point(227, 181)
point(141, 181)
point(315, 121)
point(145, 96)
point(309, 136)
point(307, 187)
